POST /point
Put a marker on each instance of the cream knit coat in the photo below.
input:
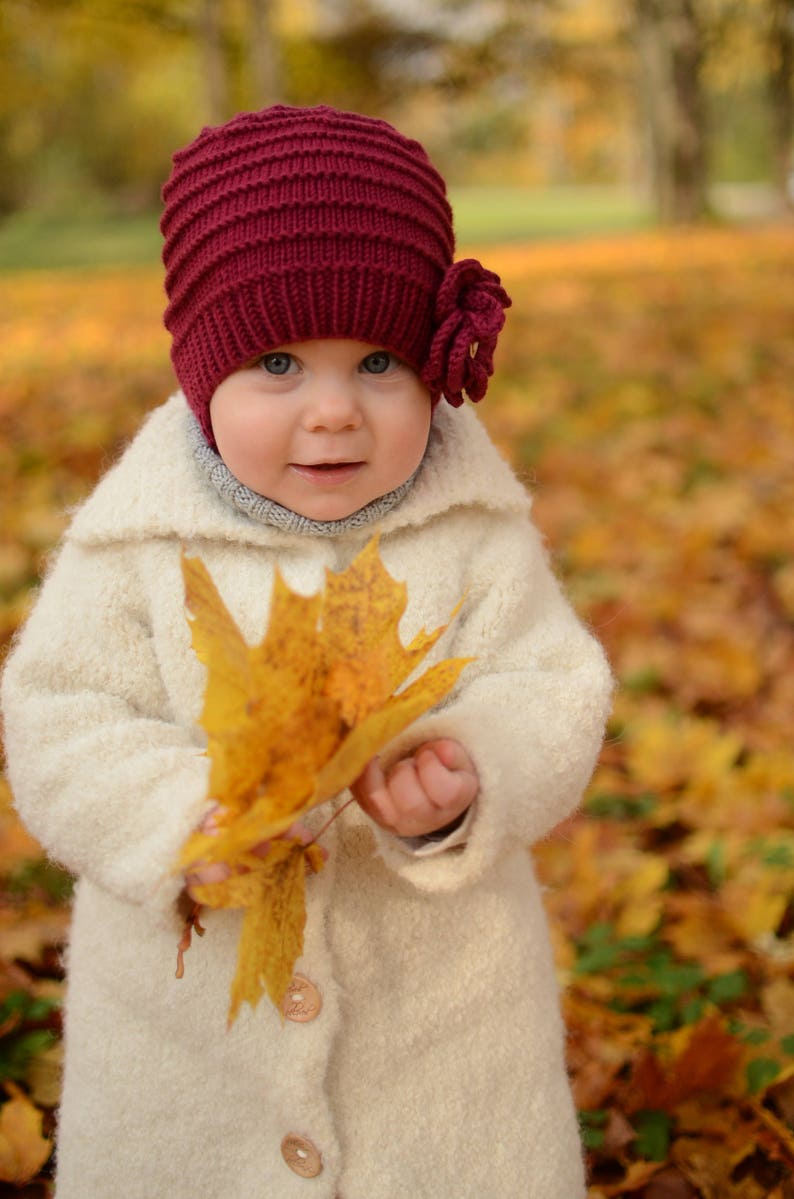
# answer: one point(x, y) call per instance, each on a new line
point(435, 1066)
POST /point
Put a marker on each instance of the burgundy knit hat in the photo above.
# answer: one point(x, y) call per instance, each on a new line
point(298, 223)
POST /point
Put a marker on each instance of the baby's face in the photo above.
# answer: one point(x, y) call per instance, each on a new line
point(322, 427)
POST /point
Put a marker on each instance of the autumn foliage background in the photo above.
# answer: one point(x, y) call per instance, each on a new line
point(644, 392)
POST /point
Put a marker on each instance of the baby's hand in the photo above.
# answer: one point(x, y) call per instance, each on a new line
point(422, 793)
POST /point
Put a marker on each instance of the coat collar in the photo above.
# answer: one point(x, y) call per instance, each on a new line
point(156, 489)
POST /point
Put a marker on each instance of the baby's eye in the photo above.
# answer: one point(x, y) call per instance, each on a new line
point(379, 362)
point(277, 363)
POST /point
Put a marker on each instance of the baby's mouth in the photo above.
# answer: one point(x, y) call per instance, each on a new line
point(328, 473)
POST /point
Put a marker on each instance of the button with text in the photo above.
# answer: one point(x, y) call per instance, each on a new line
point(302, 1001)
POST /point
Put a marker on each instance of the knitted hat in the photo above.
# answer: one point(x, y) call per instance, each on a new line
point(297, 223)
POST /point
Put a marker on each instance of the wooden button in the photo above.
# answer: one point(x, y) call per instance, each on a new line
point(301, 1155)
point(302, 1001)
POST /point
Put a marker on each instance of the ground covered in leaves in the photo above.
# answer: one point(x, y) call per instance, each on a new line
point(645, 392)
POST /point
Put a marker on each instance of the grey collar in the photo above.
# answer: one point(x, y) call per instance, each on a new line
point(268, 512)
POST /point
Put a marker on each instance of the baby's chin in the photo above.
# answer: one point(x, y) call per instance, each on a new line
point(330, 492)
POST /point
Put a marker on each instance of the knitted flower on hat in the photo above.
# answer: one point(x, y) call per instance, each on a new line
point(469, 314)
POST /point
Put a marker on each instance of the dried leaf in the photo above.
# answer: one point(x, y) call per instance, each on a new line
point(668, 1184)
point(23, 1147)
point(290, 723)
point(361, 676)
point(708, 1060)
point(637, 1173)
point(378, 728)
point(275, 914)
point(28, 932)
point(253, 693)
point(680, 398)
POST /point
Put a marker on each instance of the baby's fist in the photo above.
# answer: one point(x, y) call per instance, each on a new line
point(421, 793)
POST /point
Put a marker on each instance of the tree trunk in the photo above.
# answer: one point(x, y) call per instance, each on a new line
point(781, 94)
point(671, 57)
point(216, 71)
point(264, 54)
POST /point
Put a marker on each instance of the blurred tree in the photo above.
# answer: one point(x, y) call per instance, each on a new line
point(265, 53)
point(534, 92)
point(209, 26)
point(358, 55)
point(17, 131)
point(780, 42)
point(241, 45)
point(584, 126)
point(671, 53)
point(96, 93)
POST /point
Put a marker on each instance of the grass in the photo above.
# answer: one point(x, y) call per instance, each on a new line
point(31, 241)
point(484, 215)
point(510, 214)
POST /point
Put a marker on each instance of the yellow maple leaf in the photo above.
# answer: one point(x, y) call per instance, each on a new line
point(253, 689)
point(363, 671)
point(290, 723)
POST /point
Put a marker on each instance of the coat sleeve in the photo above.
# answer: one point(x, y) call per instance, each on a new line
point(101, 773)
point(530, 710)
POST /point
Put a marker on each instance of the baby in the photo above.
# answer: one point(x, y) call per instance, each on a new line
point(325, 341)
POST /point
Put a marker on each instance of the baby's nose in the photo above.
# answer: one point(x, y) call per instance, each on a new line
point(332, 405)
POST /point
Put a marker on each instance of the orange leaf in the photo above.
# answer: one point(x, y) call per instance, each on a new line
point(23, 1147)
point(709, 1061)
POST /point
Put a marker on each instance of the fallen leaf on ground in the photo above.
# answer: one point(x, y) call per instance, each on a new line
point(708, 1060)
point(23, 1147)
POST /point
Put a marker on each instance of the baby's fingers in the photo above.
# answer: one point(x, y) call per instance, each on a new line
point(451, 753)
point(372, 793)
point(445, 788)
point(213, 872)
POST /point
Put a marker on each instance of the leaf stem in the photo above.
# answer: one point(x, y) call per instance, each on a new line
point(191, 922)
point(328, 823)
